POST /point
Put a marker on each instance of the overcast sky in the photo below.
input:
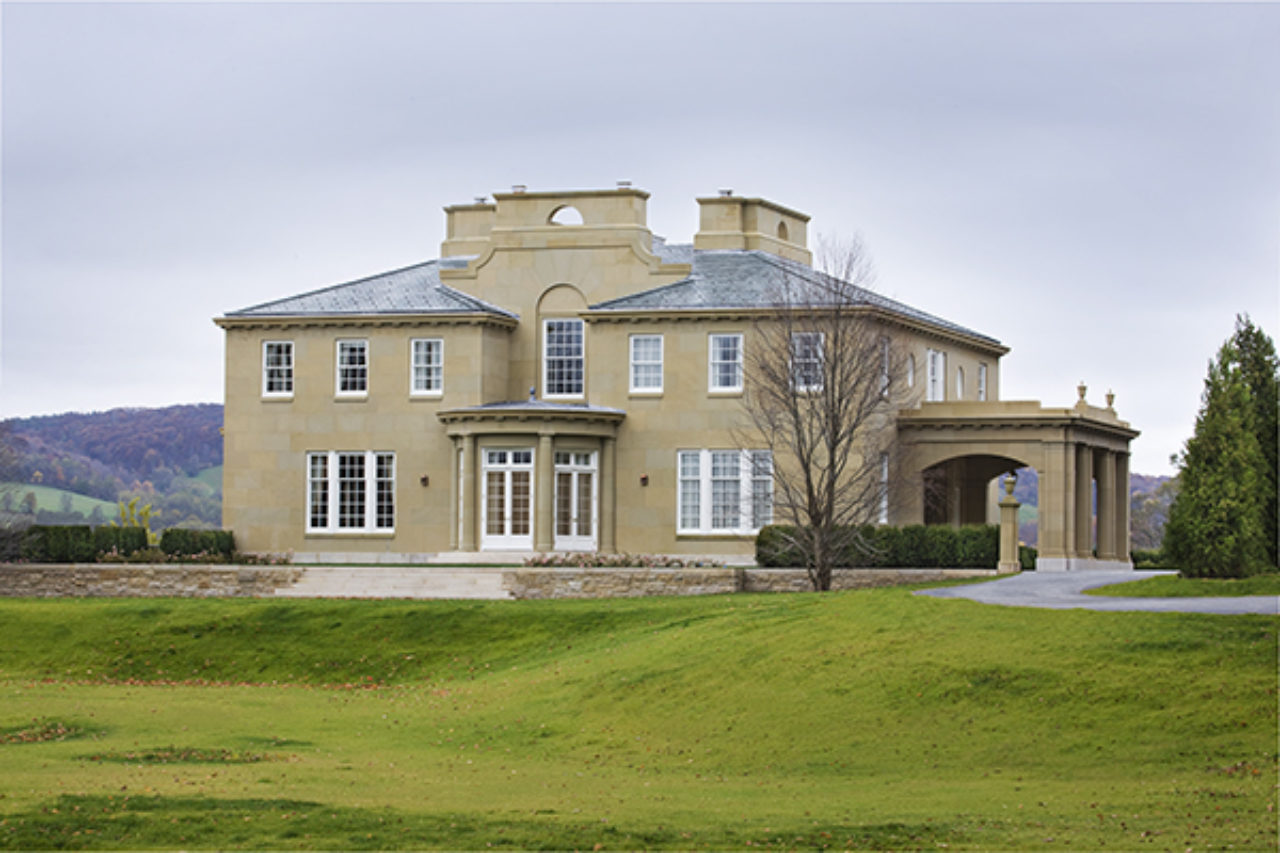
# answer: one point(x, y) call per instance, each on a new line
point(1096, 186)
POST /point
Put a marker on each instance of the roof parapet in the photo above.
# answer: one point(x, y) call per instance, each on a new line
point(732, 222)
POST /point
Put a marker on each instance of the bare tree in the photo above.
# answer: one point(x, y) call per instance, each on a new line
point(822, 382)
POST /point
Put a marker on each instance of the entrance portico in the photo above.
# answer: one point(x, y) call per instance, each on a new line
point(533, 476)
point(958, 447)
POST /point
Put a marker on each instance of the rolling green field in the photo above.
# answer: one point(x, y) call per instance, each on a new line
point(51, 499)
point(871, 719)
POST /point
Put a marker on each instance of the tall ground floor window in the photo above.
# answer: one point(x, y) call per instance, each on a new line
point(724, 491)
point(351, 491)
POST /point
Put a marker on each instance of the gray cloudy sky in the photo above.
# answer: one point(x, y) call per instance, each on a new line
point(1097, 186)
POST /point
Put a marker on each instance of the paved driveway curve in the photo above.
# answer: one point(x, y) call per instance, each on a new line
point(1065, 591)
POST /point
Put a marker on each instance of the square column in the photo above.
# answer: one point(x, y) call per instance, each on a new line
point(1084, 502)
point(543, 504)
point(1106, 462)
point(1122, 507)
point(467, 481)
point(1057, 506)
point(608, 494)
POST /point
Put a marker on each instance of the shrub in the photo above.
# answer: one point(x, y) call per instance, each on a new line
point(977, 546)
point(916, 546)
point(121, 540)
point(180, 542)
point(772, 548)
point(1027, 557)
point(56, 543)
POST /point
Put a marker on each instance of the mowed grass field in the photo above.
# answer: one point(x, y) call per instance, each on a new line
point(872, 719)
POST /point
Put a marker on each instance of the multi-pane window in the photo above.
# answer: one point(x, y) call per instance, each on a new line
point(353, 367)
point(427, 366)
point(563, 358)
point(982, 380)
point(724, 491)
point(935, 381)
point(646, 363)
point(726, 362)
point(806, 361)
point(351, 492)
point(277, 369)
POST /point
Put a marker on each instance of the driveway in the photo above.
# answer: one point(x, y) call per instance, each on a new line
point(1065, 591)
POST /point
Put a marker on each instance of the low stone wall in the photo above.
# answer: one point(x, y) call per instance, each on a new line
point(142, 580)
point(628, 583)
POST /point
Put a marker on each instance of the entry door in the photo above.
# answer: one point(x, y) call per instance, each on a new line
point(507, 498)
point(576, 497)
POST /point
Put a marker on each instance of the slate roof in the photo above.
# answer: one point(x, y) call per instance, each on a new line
point(753, 279)
point(412, 290)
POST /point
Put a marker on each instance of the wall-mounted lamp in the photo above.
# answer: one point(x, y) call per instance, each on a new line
point(644, 479)
point(424, 480)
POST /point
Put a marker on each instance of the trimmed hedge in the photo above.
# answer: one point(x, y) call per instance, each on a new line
point(917, 546)
point(53, 543)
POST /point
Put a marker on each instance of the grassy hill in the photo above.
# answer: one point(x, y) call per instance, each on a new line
point(871, 719)
point(48, 498)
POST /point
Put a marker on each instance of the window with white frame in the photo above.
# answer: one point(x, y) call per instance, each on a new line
point(911, 371)
point(277, 368)
point(353, 367)
point(351, 492)
point(563, 358)
point(959, 383)
point(646, 363)
point(884, 365)
point(884, 488)
point(806, 361)
point(982, 380)
point(935, 381)
point(724, 491)
point(427, 366)
point(725, 362)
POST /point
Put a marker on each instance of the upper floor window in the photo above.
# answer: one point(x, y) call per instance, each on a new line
point(427, 366)
point(277, 369)
point(911, 371)
point(806, 360)
point(884, 365)
point(353, 367)
point(646, 363)
point(982, 380)
point(725, 362)
point(351, 492)
point(935, 382)
point(959, 383)
point(563, 358)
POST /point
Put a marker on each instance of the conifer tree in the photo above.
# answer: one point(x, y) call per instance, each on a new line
point(1216, 525)
point(1255, 352)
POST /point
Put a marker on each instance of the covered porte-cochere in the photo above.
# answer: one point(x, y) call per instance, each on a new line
point(1081, 454)
point(533, 476)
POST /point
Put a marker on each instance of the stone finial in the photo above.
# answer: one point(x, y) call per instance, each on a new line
point(1010, 480)
point(1111, 399)
point(1082, 389)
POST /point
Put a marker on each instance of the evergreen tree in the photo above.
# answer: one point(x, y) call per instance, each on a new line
point(1216, 524)
point(1255, 353)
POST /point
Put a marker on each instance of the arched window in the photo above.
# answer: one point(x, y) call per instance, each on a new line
point(565, 214)
point(959, 383)
point(911, 371)
point(782, 231)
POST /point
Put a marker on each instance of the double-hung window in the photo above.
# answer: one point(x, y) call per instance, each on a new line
point(426, 367)
point(725, 362)
point(277, 368)
point(353, 368)
point(646, 364)
point(982, 380)
point(936, 380)
point(351, 492)
point(563, 358)
point(724, 491)
point(806, 361)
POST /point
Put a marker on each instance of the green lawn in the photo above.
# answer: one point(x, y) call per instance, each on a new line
point(871, 719)
point(1173, 586)
point(51, 499)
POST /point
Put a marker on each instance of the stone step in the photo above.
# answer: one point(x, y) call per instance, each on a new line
point(330, 582)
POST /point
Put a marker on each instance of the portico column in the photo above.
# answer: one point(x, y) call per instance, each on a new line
point(1084, 501)
point(468, 480)
point(542, 506)
point(455, 472)
point(1106, 505)
point(1056, 525)
point(1122, 507)
point(608, 495)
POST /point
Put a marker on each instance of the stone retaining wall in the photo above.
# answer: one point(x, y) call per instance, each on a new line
point(143, 580)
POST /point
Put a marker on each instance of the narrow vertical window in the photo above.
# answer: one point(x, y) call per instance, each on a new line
point(936, 383)
point(385, 490)
point(690, 489)
point(353, 367)
point(318, 491)
point(726, 498)
point(351, 490)
point(726, 362)
point(884, 365)
point(982, 381)
point(884, 488)
point(761, 488)
point(563, 358)
point(427, 366)
point(807, 361)
point(959, 383)
point(911, 371)
point(277, 369)
point(646, 363)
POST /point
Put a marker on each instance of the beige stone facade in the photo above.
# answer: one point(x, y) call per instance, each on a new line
point(562, 379)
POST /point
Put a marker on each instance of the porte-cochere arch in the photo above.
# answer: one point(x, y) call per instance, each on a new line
point(953, 450)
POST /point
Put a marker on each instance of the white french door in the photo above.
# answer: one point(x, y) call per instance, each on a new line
point(507, 499)
point(576, 501)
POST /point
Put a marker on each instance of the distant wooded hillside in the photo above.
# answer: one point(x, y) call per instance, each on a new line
point(157, 455)
point(1149, 500)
